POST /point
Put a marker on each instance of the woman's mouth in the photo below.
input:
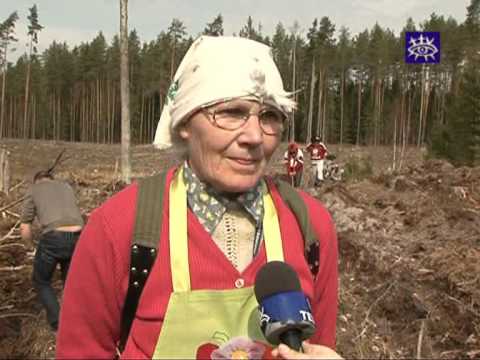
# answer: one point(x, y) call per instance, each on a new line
point(245, 164)
point(244, 161)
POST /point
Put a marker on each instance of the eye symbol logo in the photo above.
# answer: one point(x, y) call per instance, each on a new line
point(422, 47)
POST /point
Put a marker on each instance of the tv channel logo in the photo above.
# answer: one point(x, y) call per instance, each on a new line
point(422, 47)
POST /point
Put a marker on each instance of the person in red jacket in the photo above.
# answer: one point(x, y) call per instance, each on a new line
point(222, 221)
point(293, 160)
point(318, 151)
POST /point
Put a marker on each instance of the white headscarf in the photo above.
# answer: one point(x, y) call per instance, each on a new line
point(216, 69)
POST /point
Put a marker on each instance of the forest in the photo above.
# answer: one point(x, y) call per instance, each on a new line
point(350, 88)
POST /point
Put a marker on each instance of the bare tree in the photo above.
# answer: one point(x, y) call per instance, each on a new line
point(310, 107)
point(295, 33)
point(124, 92)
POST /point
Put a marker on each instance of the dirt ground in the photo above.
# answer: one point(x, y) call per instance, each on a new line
point(409, 245)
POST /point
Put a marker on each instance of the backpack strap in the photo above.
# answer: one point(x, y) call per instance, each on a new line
point(145, 240)
point(296, 203)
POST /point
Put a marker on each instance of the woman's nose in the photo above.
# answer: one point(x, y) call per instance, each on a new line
point(252, 132)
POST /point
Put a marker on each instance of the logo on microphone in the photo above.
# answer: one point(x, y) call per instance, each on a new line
point(307, 316)
point(264, 318)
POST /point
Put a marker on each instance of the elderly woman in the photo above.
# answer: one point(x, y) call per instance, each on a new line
point(222, 220)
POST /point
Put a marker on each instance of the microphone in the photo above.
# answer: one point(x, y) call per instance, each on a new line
point(285, 312)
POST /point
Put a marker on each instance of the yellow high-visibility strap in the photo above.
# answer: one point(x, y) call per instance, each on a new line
point(178, 234)
point(271, 228)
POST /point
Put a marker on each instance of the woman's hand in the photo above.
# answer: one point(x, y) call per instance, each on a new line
point(311, 351)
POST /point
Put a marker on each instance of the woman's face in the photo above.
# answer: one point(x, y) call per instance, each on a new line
point(229, 160)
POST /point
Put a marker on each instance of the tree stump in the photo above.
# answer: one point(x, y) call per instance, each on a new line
point(4, 171)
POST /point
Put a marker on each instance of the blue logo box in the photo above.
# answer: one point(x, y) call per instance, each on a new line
point(422, 47)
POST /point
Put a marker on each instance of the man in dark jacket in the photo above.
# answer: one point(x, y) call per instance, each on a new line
point(53, 204)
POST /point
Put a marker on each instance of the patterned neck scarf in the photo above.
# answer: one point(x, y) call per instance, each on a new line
point(210, 205)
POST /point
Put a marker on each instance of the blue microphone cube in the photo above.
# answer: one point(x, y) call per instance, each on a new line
point(286, 311)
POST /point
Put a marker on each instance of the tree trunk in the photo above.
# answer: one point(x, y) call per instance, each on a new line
point(44, 128)
point(294, 85)
point(324, 115)
point(27, 91)
point(103, 90)
point(409, 116)
point(91, 113)
point(403, 112)
point(172, 60)
point(310, 106)
point(142, 113)
point(4, 82)
point(420, 118)
point(395, 119)
point(71, 117)
point(426, 104)
point(18, 116)
point(59, 116)
point(150, 117)
point(15, 120)
point(320, 102)
point(81, 105)
point(380, 112)
point(97, 115)
point(114, 103)
point(53, 113)
point(342, 94)
point(107, 112)
point(375, 110)
point(125, 96)
point(34, 116)
point(359, 109)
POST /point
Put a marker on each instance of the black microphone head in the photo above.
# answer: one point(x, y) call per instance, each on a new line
point(275, 277)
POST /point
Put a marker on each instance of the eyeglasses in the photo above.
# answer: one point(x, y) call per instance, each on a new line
point(233, 117)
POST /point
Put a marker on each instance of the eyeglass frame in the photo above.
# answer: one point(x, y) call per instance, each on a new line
point(210, 114)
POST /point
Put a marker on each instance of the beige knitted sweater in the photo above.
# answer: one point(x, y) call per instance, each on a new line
point(234, 235)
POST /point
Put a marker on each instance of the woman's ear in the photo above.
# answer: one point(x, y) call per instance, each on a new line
point(184, 131)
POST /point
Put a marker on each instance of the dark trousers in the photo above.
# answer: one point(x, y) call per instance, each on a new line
point(54, 247)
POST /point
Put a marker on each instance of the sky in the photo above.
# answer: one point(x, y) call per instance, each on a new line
point(76, 21)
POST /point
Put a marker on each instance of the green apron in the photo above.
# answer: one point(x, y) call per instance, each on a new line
point(207, 317)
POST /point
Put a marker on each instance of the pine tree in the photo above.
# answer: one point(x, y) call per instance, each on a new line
point(215, 28)
point(459, 140)
point(360, 71)
point(33, 29)
point(6, 37)
point(176, 32)
point(125, 93)
point(249, 31)
point(343, 62)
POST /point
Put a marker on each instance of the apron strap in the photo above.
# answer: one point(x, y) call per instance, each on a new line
point(271, 228)
point(178, 234)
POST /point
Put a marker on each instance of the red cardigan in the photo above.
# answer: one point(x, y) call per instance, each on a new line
point(98, 278)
